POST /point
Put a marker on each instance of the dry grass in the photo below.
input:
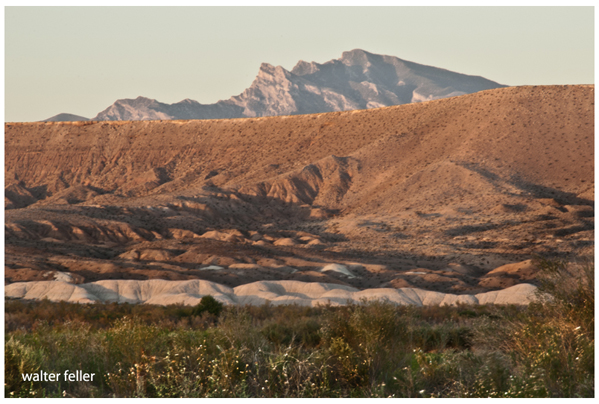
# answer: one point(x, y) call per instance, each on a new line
point(367, 350)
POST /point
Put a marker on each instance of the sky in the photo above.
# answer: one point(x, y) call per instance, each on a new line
point(80, 60)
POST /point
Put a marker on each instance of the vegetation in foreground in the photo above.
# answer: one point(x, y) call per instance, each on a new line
point(368, 350)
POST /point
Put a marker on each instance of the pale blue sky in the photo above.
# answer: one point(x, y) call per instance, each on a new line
point(81, 59)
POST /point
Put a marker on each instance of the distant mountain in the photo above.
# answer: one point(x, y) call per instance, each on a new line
point(65, 118)
point(358, 80)
point(143, 109)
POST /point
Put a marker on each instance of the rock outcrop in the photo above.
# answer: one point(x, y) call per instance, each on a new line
point(190, 292)
point(357, 80)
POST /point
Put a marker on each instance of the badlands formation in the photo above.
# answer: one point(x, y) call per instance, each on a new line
point(438, 202)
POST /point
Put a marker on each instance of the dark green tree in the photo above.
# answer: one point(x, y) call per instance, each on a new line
point(209, 304)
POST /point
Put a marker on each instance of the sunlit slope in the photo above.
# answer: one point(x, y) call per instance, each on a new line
point(510, 140)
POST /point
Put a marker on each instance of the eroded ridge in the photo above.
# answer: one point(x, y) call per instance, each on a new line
point(454, 196)
point(190, 292)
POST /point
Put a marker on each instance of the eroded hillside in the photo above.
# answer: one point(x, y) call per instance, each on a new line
point(436, 195)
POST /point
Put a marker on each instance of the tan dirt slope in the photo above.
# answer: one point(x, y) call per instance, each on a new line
point(435, 195)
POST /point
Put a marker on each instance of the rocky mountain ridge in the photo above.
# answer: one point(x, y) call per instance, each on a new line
point(357, 80)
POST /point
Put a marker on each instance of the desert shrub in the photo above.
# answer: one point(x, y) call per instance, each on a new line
point(69, 346)
point(20, 358)
point(437, 372)
point(208, 304)
point(347, 367)
point(567, 292)
point(554, 346)
point(305, 332)
point(282, 313)
point(372, 349)
point(480, 374)
point(27, 315)
point(370, 325)
point(127, 340)
point(438, 337)
point(366, 342)
point(236, 329)
point(289, 372)
point(278, 334)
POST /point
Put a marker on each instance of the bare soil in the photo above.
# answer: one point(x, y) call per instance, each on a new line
point(435, 195)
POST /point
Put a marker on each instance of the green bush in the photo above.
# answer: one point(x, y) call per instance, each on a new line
point(208, 304)
point(554, 345)
point(567, 292)
point(20, 358)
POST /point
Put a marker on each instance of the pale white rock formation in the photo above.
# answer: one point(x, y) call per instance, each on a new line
point(211, 268)
point(342, 269)
point(516, 293)
point(190, 292)
point(55, 291)
point(65, 277)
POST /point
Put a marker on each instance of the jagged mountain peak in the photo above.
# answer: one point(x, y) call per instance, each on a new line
point(355, 56)
point(268, 71)
point(188, 101)
point(140, 100)
point(266, 67)
point(357, 80)
point(302, 68)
